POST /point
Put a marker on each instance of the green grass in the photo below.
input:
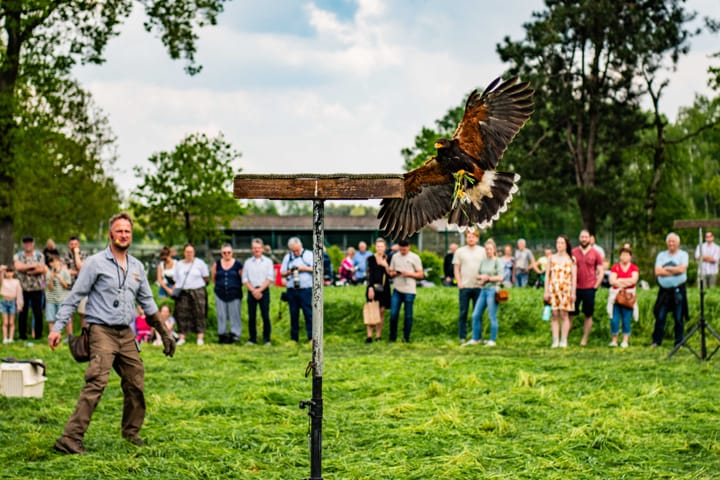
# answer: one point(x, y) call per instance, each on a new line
point(424, 410)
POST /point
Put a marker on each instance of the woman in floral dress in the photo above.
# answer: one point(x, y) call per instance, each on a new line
point(560, 290)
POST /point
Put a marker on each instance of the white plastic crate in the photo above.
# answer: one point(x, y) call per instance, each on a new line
point(21, 380)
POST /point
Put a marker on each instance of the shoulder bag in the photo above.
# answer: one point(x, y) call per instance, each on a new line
point(80, 346)
point(177, 291)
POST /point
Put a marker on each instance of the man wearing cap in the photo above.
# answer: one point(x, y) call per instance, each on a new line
point(30, 267)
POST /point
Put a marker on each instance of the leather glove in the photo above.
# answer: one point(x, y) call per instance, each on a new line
point(167, 339)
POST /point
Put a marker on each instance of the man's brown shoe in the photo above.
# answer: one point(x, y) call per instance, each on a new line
point(68, 445)
point(135, 440)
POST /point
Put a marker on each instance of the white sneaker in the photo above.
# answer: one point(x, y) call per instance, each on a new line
point(563, 344)
point(624, 345)
point(157, 342)
point(555, 344)
point(200, 341)
point(612, 344)
point(490, 343)
point(471, 342)
point(180, 342)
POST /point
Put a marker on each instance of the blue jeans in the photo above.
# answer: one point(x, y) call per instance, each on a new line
point(464, 297)
point(621, 313)
point(521, 279)
point(487, 299)
point(300, 298)
point(399, 298)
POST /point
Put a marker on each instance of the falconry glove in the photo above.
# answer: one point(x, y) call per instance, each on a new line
point(167, 339)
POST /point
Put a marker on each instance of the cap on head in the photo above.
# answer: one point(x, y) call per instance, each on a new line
point(27, 238)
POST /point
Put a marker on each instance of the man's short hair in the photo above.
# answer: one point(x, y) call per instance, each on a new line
point(403, 243)
point(672, 235)
point(257, 241)
point(75, 238)
point(294, 241)
point(120, 216)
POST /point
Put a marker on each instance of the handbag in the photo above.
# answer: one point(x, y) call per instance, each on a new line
point(625, 299)
point(371, 313)
point(378, 287)
point(502, 296)
point(80, 346)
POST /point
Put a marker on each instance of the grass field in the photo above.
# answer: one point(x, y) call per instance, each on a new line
point(425, 410)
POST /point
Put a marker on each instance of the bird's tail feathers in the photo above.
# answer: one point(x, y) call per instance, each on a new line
point(486, 200)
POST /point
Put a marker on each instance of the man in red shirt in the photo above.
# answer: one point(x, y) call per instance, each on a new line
point(590, 273)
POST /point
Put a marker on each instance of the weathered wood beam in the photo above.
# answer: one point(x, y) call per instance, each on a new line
point(709, 223)
point(306, 186)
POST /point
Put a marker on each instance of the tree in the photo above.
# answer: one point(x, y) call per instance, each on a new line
point(42, 40)
point(187, 193)
point(587, 60)
point(65, 160)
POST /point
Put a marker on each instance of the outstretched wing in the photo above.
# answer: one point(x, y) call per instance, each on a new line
point(492, 119)
point(428, 196)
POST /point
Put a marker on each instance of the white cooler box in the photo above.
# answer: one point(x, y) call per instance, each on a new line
point(19, 379)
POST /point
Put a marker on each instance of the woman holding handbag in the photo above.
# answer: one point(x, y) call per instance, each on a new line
point(623, 278)
point(378, 289)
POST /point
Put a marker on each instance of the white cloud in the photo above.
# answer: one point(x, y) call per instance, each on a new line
point(334, 92)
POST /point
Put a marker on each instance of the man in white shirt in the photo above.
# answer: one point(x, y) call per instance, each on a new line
point(257, 276)
point(709, 253)
point(466, 263)
point(406, 269)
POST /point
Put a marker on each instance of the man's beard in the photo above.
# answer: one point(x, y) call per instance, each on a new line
point(584, 245)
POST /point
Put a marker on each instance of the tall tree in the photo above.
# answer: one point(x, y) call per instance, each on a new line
point(44, 39)
point(187, 194)
point(65, 160)
point(587, 59)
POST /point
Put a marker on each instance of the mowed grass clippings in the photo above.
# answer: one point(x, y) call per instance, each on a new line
point(425, 410)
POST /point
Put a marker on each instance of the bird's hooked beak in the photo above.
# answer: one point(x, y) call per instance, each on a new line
point(439, 144)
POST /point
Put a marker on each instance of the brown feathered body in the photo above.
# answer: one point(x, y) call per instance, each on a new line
point(490, 122)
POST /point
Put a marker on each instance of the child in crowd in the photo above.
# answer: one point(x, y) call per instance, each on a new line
point(11, 301)
point(169, 322)
point(142, 329)
point(58, 287)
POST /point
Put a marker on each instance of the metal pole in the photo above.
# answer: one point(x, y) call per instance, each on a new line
point(315, 405)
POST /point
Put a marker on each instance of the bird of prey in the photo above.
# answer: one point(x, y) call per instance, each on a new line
point(460, 181)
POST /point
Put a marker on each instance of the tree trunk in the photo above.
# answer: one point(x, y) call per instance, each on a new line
point(9, 68)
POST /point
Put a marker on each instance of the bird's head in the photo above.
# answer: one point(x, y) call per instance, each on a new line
point(442, 143)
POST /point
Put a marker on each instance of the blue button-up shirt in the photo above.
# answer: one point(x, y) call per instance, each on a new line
point(104, 282)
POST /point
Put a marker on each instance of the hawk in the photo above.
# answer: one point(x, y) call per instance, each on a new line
point(460, 181)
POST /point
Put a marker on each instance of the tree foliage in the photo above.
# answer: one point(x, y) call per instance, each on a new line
point(186, 194)
point(40, 43)
point(591, 63)
point(65, 156)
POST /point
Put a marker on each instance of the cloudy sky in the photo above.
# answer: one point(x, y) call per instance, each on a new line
point(322, 86)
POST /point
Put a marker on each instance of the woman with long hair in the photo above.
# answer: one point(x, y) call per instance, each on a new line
point(560, 283)
point(378, 288)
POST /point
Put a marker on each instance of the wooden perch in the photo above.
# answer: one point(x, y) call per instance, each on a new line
point(307, 186)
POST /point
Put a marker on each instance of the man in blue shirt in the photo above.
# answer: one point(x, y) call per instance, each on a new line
point(297, 268)
point(671, 272)
point(360, 262)
point(113, 281)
